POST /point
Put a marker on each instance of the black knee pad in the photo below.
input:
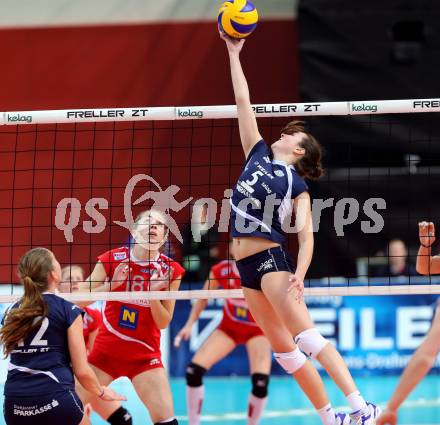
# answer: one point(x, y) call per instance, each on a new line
point(260, 382)
point(120, 417)
point(194, 375)
point(171, 422)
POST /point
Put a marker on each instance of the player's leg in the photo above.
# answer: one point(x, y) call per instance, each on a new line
point(154, 390)
point(260, 359)
point(289, 356)
point(215, 348)
point(112, 412)
point(296, 318)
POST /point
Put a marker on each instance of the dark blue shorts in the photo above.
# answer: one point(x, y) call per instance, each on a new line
point(59, 408)
point(254, 267)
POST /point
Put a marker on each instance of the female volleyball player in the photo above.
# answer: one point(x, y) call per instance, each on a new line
point(43, 334)
point(128, 343)
point(423, 359)
point(270, 187)
point(112, 412)
point(237, 327)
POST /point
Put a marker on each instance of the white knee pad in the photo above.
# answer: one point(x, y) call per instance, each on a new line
point(291, 362)
point(311, 342)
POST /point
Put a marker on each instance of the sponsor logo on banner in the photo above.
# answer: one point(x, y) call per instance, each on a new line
point(426, 104)
point(189, 113)
point(292, 108)
point(363, 107)
point(106, 113)
point(19, 118)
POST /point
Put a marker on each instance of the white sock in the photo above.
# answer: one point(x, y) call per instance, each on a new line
point(194, 401)
point(327, 415)
point(356, 402)
point(255, 409)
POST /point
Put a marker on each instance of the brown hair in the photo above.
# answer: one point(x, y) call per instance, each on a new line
point(309, 165)
point(33, 269)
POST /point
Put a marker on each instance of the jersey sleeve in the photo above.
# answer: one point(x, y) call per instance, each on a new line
point(71, 312)
point(178, 270)
point(106, 261)
point(259, 150)
point(97, 319)
point(298, 185)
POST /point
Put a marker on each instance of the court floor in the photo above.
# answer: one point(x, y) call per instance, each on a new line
point(226, 399)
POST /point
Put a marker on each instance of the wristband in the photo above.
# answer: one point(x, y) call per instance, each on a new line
point(102, 393)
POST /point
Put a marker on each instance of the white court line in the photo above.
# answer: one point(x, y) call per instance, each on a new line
point(420, 403)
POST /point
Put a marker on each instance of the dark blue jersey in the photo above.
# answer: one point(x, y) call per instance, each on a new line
point(262, 199)
point(41, 364)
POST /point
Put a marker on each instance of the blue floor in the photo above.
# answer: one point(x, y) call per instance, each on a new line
point(226, 398)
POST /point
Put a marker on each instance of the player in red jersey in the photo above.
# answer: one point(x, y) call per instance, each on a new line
point(128, 342)
point(237, 327)
point(111, 411)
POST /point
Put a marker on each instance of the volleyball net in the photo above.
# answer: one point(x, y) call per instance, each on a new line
point(74, 180)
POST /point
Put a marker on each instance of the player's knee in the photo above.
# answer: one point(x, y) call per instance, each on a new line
point(260, 383)
point(194, 375)
point(291, 362)
point(120, 416)
point(171, 421)
point(311, 342)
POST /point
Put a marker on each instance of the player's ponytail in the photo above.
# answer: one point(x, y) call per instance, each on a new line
point(33, 269)
point(308, 166)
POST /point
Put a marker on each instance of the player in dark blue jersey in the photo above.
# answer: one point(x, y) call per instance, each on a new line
point(43, 334)
point(270, 188)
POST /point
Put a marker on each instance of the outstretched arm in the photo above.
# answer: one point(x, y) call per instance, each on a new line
point(427, 264)
point(247, 123)
point(419, 365)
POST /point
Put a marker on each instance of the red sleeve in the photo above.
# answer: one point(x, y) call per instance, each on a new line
point(107, 262)
point(178, 270)
point(215, 270)
point(97, 318)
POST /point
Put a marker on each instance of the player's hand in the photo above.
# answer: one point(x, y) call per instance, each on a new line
point(184, 334)
point(120, 274)
point(110, 395)
point(160, 280)
point(388, 417)
point(426, 233)
point(297, 284)
point(233, 45)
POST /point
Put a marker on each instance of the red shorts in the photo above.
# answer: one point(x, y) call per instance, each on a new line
point(239, 332)
point(117, 367)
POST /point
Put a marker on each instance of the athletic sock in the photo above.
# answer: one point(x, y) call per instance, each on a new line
point(327, 415)
point(357, 403)
point(255, 409)
point(194, 401)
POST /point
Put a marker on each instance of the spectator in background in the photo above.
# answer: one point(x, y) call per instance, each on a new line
point(397, 261)
point(200, 251)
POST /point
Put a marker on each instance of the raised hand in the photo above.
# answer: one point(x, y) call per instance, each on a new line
point(426, 233)
point(120, 274)
point(160, 279)
point(233, 45)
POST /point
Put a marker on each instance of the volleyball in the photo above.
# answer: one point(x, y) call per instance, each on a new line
point(237, 18)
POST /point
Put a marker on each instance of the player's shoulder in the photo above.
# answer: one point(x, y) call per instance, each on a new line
point(59, 306)
point(260, 148)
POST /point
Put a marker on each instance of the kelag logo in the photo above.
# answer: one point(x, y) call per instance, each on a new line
point(189, 113)
point(19, 118)
point(364, 107)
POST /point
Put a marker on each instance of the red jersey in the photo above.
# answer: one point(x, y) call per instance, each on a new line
point(129, 330)
point(235, 309)
point(92, 320)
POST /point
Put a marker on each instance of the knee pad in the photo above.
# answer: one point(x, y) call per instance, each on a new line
point(171, 421)
point(194, 375)
point(260, 382)
point(120, 417)
point(291, 362)
point(311, 342)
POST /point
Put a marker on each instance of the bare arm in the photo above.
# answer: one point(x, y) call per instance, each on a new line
point(80, 366)
point(426, 263)
point(91, 341)
point(96, 279)
point(162, 310)
point(247, 123)
point(304, 227)
point(419, 365)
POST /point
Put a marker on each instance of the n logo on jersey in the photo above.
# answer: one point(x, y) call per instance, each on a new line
point(128, 317)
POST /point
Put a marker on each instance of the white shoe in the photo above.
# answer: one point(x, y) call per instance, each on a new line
point(369, 418)
point(342, 419)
